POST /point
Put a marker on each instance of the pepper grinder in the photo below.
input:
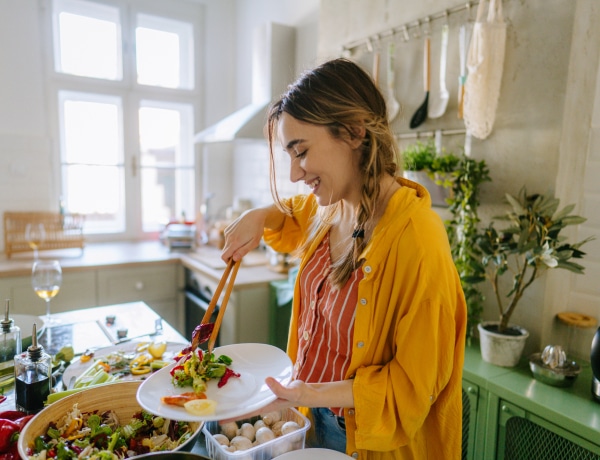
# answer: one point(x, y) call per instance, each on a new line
point(33, 377)
point(10, 345)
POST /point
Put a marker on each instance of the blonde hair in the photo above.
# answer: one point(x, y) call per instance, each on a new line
point(341, 96)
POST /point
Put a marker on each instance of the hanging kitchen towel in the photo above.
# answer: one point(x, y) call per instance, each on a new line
point(484, 64)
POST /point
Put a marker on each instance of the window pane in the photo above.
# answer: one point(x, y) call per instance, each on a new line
point(97, 192)
point(167, 170)
point(88, 39)
point(164, 52)
point(167, 194)
point(91, 130)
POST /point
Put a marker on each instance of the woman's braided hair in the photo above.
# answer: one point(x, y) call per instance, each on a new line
point(341, 96)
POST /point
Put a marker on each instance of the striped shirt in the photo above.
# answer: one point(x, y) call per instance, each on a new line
point(326, 322)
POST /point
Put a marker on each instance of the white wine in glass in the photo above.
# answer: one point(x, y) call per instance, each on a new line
point(35, 234)
point(46, 279)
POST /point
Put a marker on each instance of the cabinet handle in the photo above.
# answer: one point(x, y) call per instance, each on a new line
point(471, 390)
point(505, 409)
point(139, 285)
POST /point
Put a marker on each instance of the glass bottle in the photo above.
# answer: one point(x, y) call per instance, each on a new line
point(33, 377)
point(10, 345)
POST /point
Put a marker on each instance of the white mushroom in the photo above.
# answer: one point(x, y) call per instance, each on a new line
point(221, 439)
point(259, 424)
point(241, 443)
point(264, 434)
point(289, 427)
point(247, 430)
point(229, 429)
point(276, 427)
point(271, 417)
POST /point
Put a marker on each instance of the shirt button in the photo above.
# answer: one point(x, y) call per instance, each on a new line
point(360, 344)
point(363, 301)
point(368, 269)
point(312, 305)
point(305, 335)
point(351, 412)
point(354, 454)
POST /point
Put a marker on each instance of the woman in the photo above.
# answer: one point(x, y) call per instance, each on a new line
point(379, 317)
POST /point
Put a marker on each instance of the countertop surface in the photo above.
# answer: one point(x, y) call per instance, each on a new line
point(205, 259)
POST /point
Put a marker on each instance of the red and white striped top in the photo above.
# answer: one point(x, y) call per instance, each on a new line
point(326, 322)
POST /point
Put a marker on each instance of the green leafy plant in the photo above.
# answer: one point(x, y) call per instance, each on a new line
point(526, 248)
point(463, 203)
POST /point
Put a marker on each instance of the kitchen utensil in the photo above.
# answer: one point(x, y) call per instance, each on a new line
point(376, 59)
point(421, 114)
point(439, 103)
point(563, 376)
point(462, 78)
point(209, 331)
point(393, 105)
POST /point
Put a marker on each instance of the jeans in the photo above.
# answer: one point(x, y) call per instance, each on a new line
point(330, 431)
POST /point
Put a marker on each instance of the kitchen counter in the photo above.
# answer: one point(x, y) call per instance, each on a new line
point(206, 259)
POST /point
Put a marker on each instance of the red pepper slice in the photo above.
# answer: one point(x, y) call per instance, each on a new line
point(226, 376)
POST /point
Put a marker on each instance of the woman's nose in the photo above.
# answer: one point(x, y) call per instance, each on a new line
point(296, 172)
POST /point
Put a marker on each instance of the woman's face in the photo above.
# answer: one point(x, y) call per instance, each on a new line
point(329, 166)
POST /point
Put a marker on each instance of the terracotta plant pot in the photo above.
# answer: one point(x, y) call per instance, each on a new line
point(501, 349)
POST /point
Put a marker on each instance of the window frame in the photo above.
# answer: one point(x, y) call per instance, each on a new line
point(131, 94)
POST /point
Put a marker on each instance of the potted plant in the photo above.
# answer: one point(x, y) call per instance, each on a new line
point(524, 250)
point(463, 203)
point(422, 164)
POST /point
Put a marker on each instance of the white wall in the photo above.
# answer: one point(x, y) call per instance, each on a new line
point(542, 136)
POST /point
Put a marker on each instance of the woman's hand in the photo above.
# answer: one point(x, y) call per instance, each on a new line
point(244, 234)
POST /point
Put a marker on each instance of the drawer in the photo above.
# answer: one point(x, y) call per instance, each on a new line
point(137, 283)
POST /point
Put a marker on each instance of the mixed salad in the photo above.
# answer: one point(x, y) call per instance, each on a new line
point(196, 367)
point(101, 436)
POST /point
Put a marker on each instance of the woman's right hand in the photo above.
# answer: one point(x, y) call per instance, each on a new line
point(244, 234)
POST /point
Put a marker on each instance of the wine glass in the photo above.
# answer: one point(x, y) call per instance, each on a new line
point(35, 234)
point(46, 279)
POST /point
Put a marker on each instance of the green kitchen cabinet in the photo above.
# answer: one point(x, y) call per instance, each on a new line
point(512, 416)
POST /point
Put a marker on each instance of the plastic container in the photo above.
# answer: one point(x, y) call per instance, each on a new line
point(266, 451)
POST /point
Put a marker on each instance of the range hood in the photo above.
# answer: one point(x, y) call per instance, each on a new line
point(273, 59)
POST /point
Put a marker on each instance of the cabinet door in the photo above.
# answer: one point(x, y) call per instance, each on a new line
point(474, 414)
point(524, 436)
point(78, 290)
point(156, 285)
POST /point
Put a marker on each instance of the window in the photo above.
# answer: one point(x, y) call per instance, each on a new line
point(125, 114)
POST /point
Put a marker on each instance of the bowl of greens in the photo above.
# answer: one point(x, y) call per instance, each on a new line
point(102, 421)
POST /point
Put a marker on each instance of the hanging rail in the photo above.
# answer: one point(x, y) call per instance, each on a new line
point(426, 134)
point(404, 28)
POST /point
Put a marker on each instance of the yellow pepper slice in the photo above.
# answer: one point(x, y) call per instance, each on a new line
point(141, 364)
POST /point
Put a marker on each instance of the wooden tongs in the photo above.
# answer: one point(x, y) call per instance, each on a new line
point(209, 331)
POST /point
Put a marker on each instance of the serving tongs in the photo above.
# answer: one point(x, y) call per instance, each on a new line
point(206, 331)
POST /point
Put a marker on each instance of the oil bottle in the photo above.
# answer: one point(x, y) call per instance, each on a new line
point(10, 345)
point(33, 377)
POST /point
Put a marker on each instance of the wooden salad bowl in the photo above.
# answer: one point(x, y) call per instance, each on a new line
point(118, 396)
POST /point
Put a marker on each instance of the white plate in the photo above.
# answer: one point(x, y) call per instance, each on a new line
point(312, 454)
point(76, 368)
point(253, 361)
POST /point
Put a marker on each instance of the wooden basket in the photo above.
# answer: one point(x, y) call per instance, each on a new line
point(62, 231)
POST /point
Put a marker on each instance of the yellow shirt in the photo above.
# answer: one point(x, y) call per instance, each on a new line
point(409, 334)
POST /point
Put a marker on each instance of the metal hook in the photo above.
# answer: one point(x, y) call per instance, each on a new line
point(427, 30)
point(405, 32)
point(369, 45)
point(417, 32)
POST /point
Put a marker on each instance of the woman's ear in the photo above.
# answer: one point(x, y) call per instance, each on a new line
point(357, 135)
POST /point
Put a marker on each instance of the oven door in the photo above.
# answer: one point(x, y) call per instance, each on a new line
point(197, 299)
